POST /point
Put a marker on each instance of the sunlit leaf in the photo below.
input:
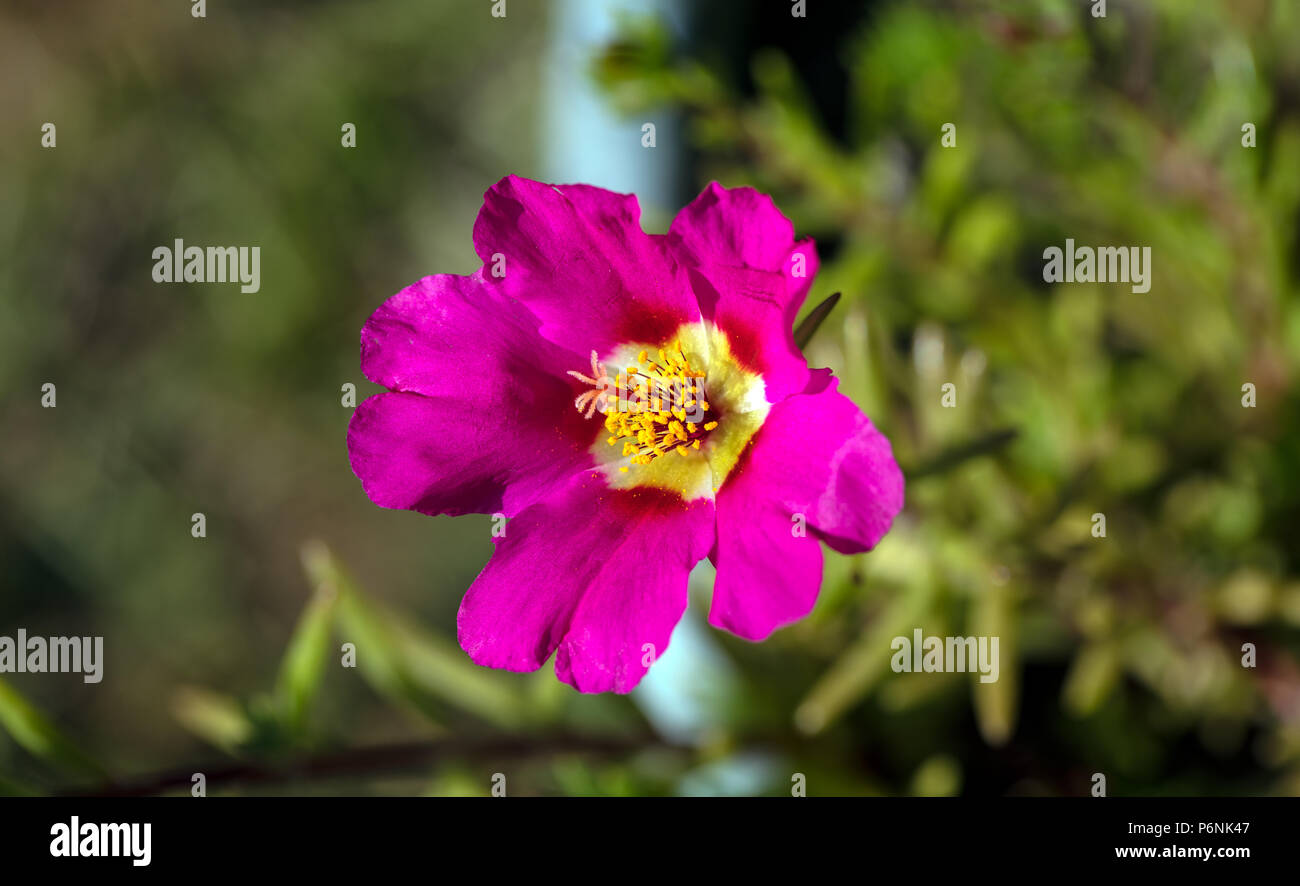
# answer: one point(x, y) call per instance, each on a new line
point(39, 737)
point(217, 719)
point(1092, 676)
point(997, 702)
point(305, 659)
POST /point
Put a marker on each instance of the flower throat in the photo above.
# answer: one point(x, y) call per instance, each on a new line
point(654, 408)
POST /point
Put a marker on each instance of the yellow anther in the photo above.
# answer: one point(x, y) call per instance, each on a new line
point(646, 406)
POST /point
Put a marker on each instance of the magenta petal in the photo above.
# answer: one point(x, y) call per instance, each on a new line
point(823, 458)
point(734, 226)
point(446, 333)
point(767, 575)
point(599, 574)
point(864, 486)
point(577, 257)
point(446, 455)
point(799, 271)
point(742, 228)
point(750, 276)
point(747, 305)
point(485, 419)
point(817, 457)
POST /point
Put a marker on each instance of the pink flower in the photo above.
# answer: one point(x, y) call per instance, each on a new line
point(633, 403)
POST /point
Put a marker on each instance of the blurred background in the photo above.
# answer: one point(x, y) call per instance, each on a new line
point(1120, 655)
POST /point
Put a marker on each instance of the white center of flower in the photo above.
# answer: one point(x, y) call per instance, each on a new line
point(678, 414)
point(653, 408)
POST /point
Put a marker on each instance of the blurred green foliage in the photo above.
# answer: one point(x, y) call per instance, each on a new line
point(1119, 654)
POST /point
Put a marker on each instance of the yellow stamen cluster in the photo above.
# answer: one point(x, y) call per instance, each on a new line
point(661, 407)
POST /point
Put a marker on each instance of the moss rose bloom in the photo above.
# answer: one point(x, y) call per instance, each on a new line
point(633, 403)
